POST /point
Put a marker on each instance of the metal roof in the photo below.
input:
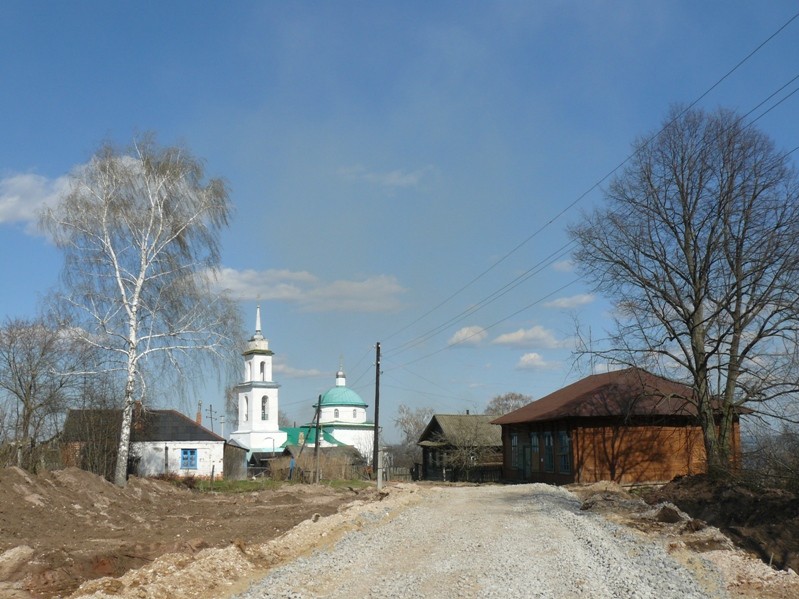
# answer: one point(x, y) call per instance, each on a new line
point(629, 392)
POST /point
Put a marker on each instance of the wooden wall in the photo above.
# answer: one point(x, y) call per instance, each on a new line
point(636, 454)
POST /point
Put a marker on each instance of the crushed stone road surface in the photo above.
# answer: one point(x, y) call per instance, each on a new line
point(492, 541)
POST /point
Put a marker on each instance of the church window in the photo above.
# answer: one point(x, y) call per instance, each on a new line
point(246, 408)
point(265, 408)
point(247, 374)
point(335, 413)
point(263, 367)
point(354, 413)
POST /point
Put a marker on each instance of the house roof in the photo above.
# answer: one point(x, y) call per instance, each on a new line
point(307, 434)
point(445, 429)
point(148, 426)
point(629, 392)
point(347, 451)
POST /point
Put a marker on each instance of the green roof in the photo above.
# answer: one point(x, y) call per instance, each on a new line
point(296, 435)
point(342, 396)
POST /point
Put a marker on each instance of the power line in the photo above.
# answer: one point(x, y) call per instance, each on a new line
point(420, 339)
point(492, 297)
point(492, 325)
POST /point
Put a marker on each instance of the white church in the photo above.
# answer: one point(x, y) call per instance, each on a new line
point(342, 412)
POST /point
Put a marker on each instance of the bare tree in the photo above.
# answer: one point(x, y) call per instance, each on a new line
point(140, 232)
point(35, 365)
point(470, 441)
point(697, 247)
point(503, 404)
point(411, 422)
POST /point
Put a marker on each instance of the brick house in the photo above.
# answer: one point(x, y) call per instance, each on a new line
point(161, 442)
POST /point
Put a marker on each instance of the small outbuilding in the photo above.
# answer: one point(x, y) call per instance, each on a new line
point(628, 426)
point(461, 447)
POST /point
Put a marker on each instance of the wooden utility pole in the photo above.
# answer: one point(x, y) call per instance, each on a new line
point(211, 417)
point(376, 449)
point(318, 440)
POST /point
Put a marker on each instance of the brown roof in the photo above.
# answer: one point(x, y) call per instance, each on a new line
point(630, 392)
point(475, 429)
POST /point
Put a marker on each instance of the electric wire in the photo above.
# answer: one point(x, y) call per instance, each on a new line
point(495, 295)
point(525, 276)
point(596, 184)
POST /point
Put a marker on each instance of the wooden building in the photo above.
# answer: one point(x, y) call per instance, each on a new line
point(627, 426)
point(459, 447)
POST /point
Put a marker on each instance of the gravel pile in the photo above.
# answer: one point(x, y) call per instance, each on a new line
point(519, 541)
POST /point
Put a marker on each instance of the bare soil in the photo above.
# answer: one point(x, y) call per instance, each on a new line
point(69, 531)
point(763, 521)
point(61, 528)
point(684, 516)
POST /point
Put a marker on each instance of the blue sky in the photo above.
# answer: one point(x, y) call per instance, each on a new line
point(380, 157)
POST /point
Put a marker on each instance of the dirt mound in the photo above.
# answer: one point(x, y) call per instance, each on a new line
point(60, 528)
point(765, 521)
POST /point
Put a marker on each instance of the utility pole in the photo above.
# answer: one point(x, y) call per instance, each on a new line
point(376, 449)
point(211, 417)
point(316, 447)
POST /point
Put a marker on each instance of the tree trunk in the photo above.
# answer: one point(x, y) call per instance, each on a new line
point(123, 449)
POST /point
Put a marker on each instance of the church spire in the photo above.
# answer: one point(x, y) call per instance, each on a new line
point(258, 335)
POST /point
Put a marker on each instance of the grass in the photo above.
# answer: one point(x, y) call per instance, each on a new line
point(266, 484)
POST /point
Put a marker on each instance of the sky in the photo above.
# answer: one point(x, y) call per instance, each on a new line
point(402, 173)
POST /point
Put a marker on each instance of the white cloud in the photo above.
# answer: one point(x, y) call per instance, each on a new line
point(298, 373)
point(468, 336)
point(392, 179)
point(534, 361)
point(374, 294)
point(536, 336)
point(272, 284)
point(22, 196)
point(572, 301)
point(563, 266)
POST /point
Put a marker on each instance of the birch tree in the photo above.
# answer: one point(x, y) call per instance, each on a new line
point(139, 230)
point(697, 246)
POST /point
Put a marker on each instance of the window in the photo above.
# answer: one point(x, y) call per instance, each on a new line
point(549, 453)
point(263, 366)
point(564, 453)
point(246, 408)
point(335, 413)
point(247, 372)
point(535, 452)
point(188, 459)
point(265, 408)
point(354, 414)
point(514, 450)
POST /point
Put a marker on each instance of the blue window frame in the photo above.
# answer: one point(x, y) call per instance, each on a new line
point(188, 459)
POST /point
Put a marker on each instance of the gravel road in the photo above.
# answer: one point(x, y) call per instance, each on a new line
point(494, 541)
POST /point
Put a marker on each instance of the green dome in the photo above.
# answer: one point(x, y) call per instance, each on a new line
point(341, 396)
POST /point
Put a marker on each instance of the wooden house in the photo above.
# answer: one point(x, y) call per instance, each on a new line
point(628, 426)
point(461, 447)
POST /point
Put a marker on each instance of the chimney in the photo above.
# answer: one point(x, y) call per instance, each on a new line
point(199, 418)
